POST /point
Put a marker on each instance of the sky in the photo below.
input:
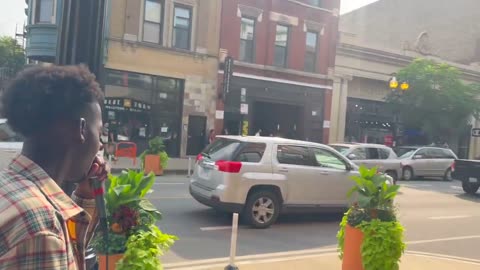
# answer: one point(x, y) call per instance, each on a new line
point(12, 13)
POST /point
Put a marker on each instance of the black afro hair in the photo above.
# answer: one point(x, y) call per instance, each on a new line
point(40, 96)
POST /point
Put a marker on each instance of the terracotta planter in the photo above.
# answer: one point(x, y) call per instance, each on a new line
point(152, 164)
point(352, 255)
point(112, 261)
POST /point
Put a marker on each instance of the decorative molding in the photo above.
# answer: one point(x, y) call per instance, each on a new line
point(283, 19)
point(282, 70)
point(315, 26)
point(270, 79)
point(248, 11)
point(313, 7)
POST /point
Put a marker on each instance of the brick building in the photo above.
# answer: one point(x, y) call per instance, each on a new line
point(284, 54)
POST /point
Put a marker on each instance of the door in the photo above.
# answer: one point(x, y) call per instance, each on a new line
point(422, 163)
point(296, 164)
point(441, 161)
point(197, 137)
point(366, 156)
point(333, 179)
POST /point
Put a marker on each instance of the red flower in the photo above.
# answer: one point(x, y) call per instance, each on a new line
point(126, 217)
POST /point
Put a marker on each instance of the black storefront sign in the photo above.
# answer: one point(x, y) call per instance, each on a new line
point(227, 75)
point(126, 104)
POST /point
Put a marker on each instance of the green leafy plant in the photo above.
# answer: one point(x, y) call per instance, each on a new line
point(373, 190)
point(374, 214)
point(144, 248)
point(132, 218)
point(156, 147)
point(383, 244)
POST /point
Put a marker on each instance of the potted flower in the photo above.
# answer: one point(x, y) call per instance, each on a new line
point(133, 240)
point(154, 159)
point(370, 236)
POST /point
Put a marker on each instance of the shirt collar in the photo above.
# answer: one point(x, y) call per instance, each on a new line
point(57, 197)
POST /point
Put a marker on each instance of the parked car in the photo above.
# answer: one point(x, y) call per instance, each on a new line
point(262, 177)
point(372, 155)
point(10, 144)
point(467, 171)
point(427, 162)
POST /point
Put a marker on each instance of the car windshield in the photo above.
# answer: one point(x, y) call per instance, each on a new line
point(340, 148)
point(407, 154)
point(221, 149)
point(402, 151)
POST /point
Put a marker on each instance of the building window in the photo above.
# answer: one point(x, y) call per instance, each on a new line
point(247, 40)
point(281, 46)
point(316, 3)
point(152, 24)
point(44, 11)
point(311, 51)
point(182, 27)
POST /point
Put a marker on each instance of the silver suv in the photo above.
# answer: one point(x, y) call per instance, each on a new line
point(260, 177)
point(372, 155)
point(427, 162)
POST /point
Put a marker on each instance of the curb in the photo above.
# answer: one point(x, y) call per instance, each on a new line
point(248, 259)
point(295, 255)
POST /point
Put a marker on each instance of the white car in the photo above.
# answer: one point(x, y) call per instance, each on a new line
point(427, 162)
point(261, 177)
point(10, 144)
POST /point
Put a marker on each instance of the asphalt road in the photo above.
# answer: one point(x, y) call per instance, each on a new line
point(439, 218)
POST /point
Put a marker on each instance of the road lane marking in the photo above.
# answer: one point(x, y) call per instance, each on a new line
point(444, 257)
point(169, 183)
point(216, 228)
point(169, 198)
point(449, 217)
point(456, 187)
point(468, 237)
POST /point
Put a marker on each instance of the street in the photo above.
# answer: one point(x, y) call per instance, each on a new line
point(439, 219)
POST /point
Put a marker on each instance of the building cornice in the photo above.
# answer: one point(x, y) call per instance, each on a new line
point(397, 59)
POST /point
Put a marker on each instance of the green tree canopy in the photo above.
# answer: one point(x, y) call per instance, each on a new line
point(438, 101)
point(12, 55)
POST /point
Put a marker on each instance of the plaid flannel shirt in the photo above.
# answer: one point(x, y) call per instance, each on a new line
point(41, 227)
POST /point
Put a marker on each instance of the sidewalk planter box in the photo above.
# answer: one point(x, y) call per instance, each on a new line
point(152, 164)
point(112, 261)
point(370, 236)
point(352, 254)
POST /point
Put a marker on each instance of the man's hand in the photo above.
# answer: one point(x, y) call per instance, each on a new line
point(100, 170)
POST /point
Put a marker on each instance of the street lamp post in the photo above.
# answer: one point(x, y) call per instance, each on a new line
point(394, 84)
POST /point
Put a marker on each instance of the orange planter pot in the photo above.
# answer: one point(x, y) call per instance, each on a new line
point(352, 255)
point(152, 164)
point(112, 261)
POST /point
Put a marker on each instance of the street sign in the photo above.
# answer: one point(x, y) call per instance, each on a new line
point(475, 132)
point(244, 108)
point(227, 74)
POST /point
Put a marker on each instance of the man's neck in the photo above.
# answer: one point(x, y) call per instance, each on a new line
point(48, 157)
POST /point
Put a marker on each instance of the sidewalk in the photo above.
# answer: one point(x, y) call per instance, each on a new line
point(327, 261)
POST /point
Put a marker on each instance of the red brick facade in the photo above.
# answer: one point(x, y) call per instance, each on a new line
point(301, 16)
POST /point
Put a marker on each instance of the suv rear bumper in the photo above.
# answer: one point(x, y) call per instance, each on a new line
point(214, 201)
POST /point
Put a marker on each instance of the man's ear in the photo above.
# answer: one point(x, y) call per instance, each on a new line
point(83, 130)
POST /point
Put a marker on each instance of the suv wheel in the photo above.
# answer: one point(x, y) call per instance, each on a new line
point(394, 176)
point(407, 174)
point(262, 209)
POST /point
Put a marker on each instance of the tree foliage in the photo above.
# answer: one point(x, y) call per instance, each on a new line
point(12, 55)
point(438, 101)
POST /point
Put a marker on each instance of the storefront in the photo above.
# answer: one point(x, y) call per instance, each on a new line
point(274, 109)
point(370, 121)
point(139, 107)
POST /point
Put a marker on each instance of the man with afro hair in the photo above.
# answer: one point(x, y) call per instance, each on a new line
point(57, 110)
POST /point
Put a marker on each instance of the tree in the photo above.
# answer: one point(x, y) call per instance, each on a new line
point(438, 102)
point(12, 55)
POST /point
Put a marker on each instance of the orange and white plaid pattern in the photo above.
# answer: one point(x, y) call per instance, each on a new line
point(34, 212)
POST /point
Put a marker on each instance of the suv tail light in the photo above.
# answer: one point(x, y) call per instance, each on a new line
point(228, 166)
point(453, 166)
point(199, 157)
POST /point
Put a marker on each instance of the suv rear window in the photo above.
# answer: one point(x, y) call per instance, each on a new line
point(233, 150)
